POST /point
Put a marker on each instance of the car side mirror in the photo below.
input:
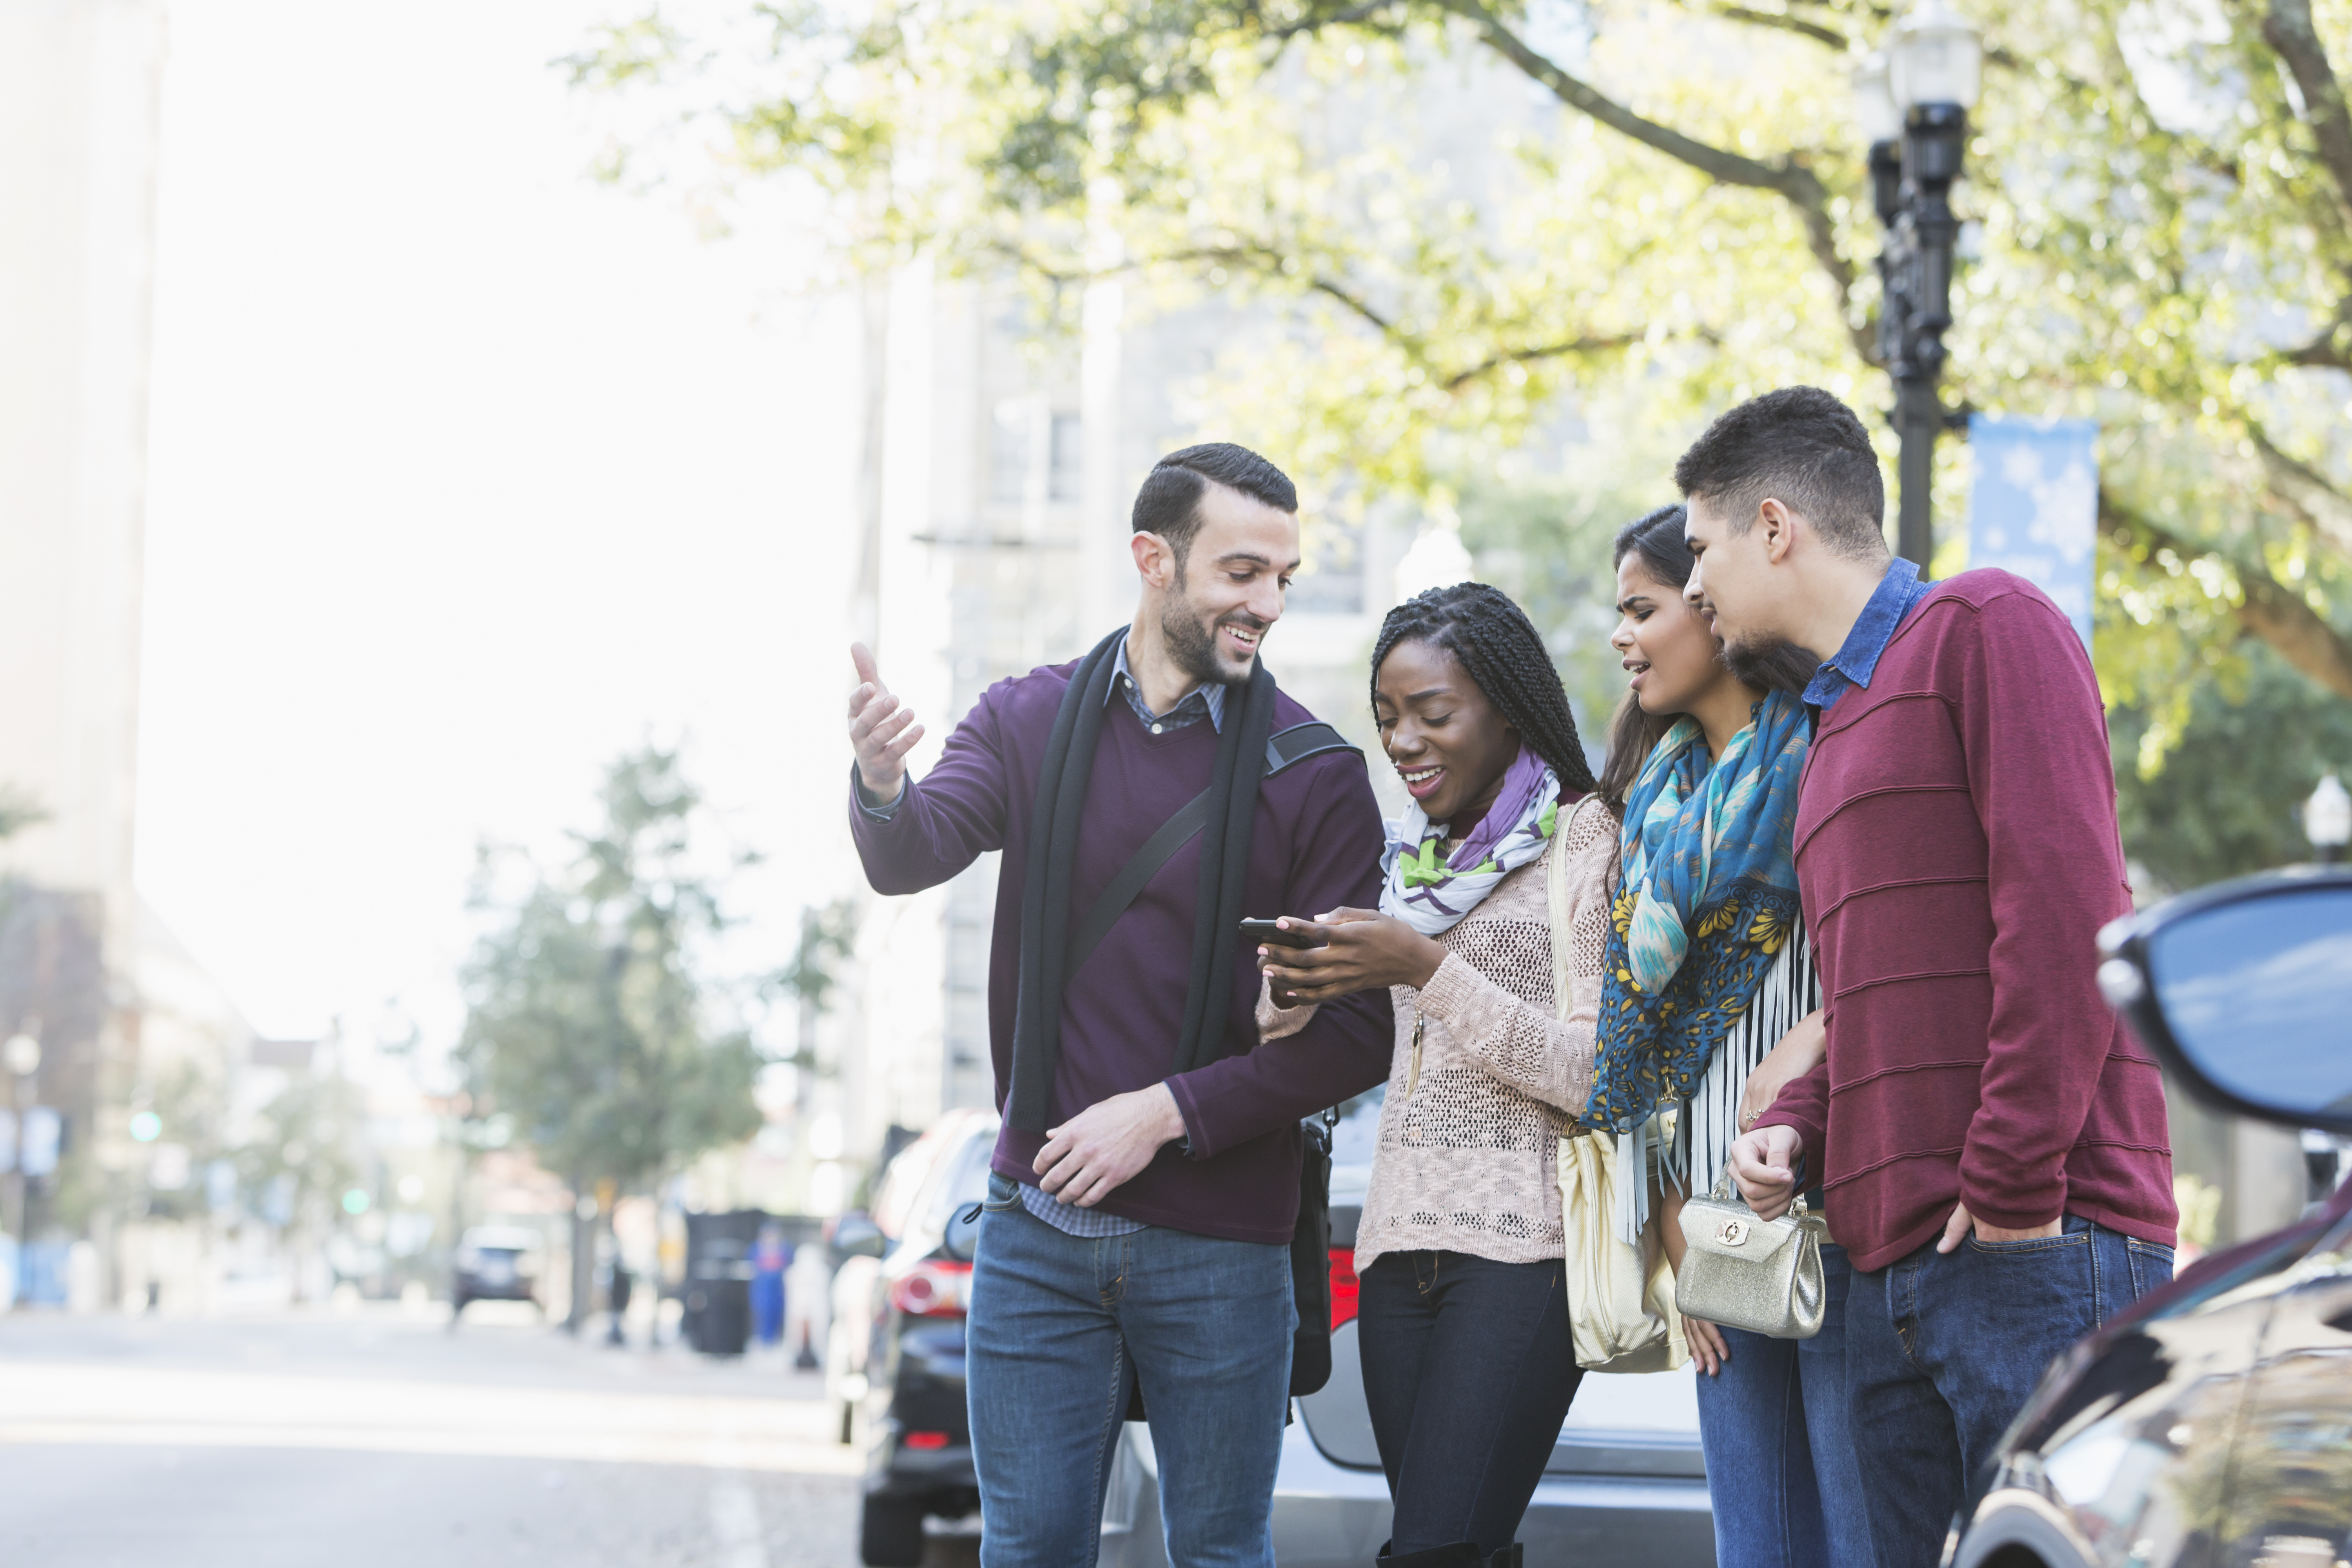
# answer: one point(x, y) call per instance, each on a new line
point(961, 1240)
point(854, 1235)
point(2245, 991)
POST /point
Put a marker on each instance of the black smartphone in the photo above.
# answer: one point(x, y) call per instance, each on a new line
point(1266, 931)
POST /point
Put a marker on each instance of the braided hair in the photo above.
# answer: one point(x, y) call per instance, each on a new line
point(1505, 656)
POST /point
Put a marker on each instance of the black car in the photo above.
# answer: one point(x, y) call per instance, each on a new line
point(2211, 1425)
point(1626, 1482)
point(899, 1322)
point(495, 1263)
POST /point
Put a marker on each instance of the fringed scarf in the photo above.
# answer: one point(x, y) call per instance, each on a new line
point(1706, 901)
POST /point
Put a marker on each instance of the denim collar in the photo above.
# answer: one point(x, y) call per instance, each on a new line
point(1207, 700)
point(1855, 662)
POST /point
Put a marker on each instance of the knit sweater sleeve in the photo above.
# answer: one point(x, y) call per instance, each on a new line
point(1279, 1023)
point(1523, 1045)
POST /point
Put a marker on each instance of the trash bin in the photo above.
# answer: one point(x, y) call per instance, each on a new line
point(716, 1320)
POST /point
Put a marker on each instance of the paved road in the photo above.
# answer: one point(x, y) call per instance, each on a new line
point(377, 1438)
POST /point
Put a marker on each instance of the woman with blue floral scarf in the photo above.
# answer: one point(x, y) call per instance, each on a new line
point(1709, 1004)
point(1462, 1317)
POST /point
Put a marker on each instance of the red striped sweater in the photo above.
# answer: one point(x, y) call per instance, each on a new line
point(1957, 851)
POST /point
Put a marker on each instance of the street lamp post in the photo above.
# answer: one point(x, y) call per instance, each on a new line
point(1913, 105)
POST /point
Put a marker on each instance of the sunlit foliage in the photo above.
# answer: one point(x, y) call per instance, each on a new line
point(593, 1018)
point(1463, 218)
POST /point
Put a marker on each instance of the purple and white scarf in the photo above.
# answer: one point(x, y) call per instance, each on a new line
point(1431, 891)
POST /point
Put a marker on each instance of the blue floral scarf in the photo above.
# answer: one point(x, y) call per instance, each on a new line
point(1706, 901)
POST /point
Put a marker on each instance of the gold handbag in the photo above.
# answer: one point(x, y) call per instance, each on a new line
point(1764, 1276)
point(1621, 1299)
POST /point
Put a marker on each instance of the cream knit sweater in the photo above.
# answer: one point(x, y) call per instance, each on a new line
point(1467, 1157)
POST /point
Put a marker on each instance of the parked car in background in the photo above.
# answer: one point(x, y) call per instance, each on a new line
point(896, 1342)
point(2210, 1425)
point(496, 1263)
point(1626, 1482)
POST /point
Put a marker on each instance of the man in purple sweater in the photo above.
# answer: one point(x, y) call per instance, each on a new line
point(1137, 1229)
point(1990, 1143)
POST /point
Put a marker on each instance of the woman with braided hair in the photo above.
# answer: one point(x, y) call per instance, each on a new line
point(1463, 1318)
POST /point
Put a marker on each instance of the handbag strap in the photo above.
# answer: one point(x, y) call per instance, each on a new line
point(1725, 1192)
point(1563, 947)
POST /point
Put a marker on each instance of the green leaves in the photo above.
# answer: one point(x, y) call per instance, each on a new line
point(592, 1018)
point(2228, 800)
point(1458, 222)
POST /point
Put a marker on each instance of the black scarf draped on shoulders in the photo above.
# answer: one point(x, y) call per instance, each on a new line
point(1045, 920)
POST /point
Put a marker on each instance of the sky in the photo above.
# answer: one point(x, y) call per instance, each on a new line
point(466, 474)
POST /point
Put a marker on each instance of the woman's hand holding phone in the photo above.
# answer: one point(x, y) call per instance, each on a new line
point(1356, 950)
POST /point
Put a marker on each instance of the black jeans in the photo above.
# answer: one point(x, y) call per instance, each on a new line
point(1468, 1372)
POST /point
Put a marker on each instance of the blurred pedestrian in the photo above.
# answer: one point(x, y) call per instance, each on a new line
point(807, 1284)
point(1722, 997)
point(1462, 1315)
point(1995, 1154)
point(770, 1255)
point(1150, 1138)
point(616, 1296)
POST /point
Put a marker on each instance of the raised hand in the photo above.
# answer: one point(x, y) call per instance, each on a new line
point(881, 728)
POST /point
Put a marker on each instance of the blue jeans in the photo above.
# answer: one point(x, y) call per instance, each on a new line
point(1468, 1373)
point(1780, 1464)
point(1942, 1350)
point(1062, 1329)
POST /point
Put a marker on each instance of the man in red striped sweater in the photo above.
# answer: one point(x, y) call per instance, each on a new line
point(1990, 1143)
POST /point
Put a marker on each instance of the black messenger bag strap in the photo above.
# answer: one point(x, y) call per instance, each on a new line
point(1311, 1238)
point(1283, 750)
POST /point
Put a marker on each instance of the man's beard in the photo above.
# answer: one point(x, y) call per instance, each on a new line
point(1194, 646)
point(1771, 663)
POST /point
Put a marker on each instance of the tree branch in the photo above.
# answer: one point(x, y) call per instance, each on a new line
point(1257, 256)
point(2267, 608)
point(1786, 177)
point(2277, 614)
point(2320, 354)
point(2326, 349)
point(1494, 363)
point(1730, 168)
point(1348, 17)
point(1784, 22)
point(2289, 30)
point(1380, 322)
point(1266, 258)
point(2312, 494)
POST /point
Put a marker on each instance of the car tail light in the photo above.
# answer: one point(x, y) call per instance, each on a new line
point(933, 1289)
point(1343, 1286)
point(925, 1440)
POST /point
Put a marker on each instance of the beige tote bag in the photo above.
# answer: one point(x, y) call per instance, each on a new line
point(1621, 1299)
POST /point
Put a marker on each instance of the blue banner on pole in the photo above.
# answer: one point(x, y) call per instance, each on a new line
point(2034, 508)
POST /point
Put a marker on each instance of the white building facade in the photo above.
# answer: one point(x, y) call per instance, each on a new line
point(1006, 476)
